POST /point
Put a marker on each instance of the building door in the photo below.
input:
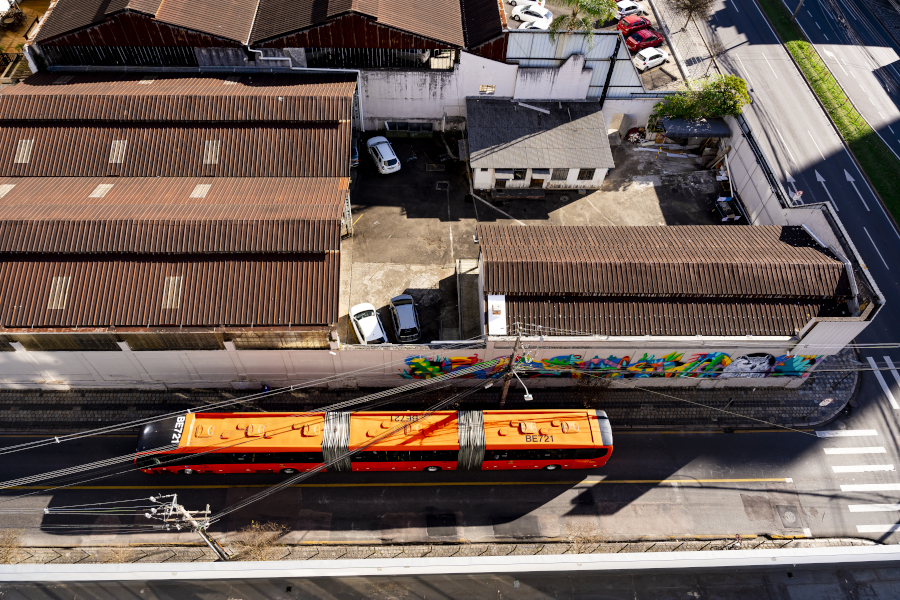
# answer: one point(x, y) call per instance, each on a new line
point(537, 183)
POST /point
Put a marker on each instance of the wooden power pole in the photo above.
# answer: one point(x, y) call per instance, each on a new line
point(509, 372)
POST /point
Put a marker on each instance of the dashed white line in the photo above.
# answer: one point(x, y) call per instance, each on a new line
point(877, 528)
point(857, 450)
point(871, 487)
point(879, 256)
point(826, 37)
point(786, 147)
point(816, 145)
point(883, 383)
point(744, 69)
point(770, 65)
point(819, 26)
point(847, 433)
point(863, 468)
point(810, 14)
point(734, 6)
point(873, 507)
point(889, 129)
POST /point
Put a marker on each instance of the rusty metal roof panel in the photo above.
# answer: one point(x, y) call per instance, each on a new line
point(171, 214)
point(677, 261)
point(639, 316)
point(230, 19)
point(209, 291)
point(90, 150)
point(127, 97)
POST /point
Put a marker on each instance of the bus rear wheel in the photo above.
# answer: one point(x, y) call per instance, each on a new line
point(186, 472)
point(551, 467)
point(289, 471)
point(432, 469)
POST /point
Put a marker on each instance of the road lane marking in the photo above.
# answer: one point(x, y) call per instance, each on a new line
point(675, 482)
point(871, 487)
point(893, 369)
point(744, 69)
point(883, 383)
point(852, 182)
point(702, 432)
point(791, 154)
point(879, 254)
point(889, 129)
point(816, 145)
point(877, 528)
point(827, 40)
point(810, 14)
point(853, 160)
point(863, 468)
point(856, 508)
point(770, 65)
point(847, 433)
point(858, 450)
point(832, 55)
point(819, 26)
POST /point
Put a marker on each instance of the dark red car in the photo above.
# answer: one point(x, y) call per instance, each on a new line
point(631, 23)
point(645, 38)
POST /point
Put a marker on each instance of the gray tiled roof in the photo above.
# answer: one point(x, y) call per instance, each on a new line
point(505, 134)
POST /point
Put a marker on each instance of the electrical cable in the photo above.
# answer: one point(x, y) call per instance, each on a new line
point(306, 474)
point(207, 408)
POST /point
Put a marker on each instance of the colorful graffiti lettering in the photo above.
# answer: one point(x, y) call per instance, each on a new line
point(713, 364)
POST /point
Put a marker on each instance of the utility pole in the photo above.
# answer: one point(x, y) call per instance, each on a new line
point(175, 515)
point(509, 371)
point(794, 16)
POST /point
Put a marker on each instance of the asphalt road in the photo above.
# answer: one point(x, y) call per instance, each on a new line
point(863, 58)
point(655, 486)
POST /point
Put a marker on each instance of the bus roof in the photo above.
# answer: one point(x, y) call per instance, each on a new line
point(437, 431)
point(516, 429)
point(253, 432)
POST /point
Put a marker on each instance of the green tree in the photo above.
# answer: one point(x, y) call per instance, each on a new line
point(717, 96)
point(581, 17)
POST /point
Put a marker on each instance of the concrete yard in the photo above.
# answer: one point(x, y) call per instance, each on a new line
point(415, 230)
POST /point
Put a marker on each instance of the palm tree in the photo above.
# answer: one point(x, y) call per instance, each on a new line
point(582, 17)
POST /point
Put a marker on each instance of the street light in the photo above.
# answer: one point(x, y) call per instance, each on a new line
point(528, 396)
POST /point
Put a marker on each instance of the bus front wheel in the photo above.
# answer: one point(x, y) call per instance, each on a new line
point(551, 467)
point(432, 469)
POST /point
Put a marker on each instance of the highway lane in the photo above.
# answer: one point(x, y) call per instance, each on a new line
point(656, 485)
point(863, 58)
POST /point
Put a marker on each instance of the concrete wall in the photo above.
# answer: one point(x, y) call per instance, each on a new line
point(568, 82)
point(682, 365)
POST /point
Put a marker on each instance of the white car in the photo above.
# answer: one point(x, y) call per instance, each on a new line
point(531, 12)
point(383, 154)
point(627, 7)
point(649, 58)
point(539, 2)
point(367, 324)
point(538, 24)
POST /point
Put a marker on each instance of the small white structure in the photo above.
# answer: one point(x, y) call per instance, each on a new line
point(540, 145)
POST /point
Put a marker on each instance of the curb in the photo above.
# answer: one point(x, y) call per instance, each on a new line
point(667, 31)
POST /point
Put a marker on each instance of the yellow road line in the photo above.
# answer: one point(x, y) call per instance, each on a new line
point(676, 431)
point(415, 484)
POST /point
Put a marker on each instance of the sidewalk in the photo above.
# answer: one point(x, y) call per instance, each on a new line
point(200, 553)
point(687, 44)
point(649, 408)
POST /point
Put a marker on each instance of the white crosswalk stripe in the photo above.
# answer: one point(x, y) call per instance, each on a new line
point(883, 383)
point(847, 433)
point(877, 528)
point(871, 487)
point(859, 508)
point(859, 450)
point(863, 468)
point(893, 369)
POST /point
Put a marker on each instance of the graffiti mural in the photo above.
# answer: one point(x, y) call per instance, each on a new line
point(713, 364)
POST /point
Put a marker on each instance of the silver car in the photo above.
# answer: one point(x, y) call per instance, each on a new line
point(406, 319)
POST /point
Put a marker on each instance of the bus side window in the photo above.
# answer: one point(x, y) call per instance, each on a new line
point(242, 458)
point(590, 453)
point(397, 456)
point(147, 462)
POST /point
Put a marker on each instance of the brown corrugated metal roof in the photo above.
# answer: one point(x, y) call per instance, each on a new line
point(440, 20)
point(165, 97)
point(676, 261)
point(170, 214)
point(69, 15)
point(481, 20)
point(182, 151)
point(642, 316)
point(258, 290)
point(229, 19)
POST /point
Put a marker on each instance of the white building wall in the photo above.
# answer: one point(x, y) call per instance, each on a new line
point(485, 180)
point(568, 82)
point(437, 97)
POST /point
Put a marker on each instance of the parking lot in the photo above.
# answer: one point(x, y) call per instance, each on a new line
point(665, 76)
point(415, 230)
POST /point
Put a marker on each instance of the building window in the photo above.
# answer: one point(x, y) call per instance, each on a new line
point(519, 174)
point(586, 174)
point(500, 184)
point(486, 90)
point(560, 175)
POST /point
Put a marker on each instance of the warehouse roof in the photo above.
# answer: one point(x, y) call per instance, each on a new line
point(170, 214)
point(507, 134)
point(122, 290)
point(172, 97)
point(179, 150)
point(705, 261)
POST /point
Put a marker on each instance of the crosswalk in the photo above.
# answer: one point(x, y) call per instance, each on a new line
point(879, 375)
point(844, 453)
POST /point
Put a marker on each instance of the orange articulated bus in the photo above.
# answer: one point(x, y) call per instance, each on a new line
point(444, 440)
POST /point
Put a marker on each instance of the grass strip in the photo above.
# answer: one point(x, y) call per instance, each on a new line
point(878, 162)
